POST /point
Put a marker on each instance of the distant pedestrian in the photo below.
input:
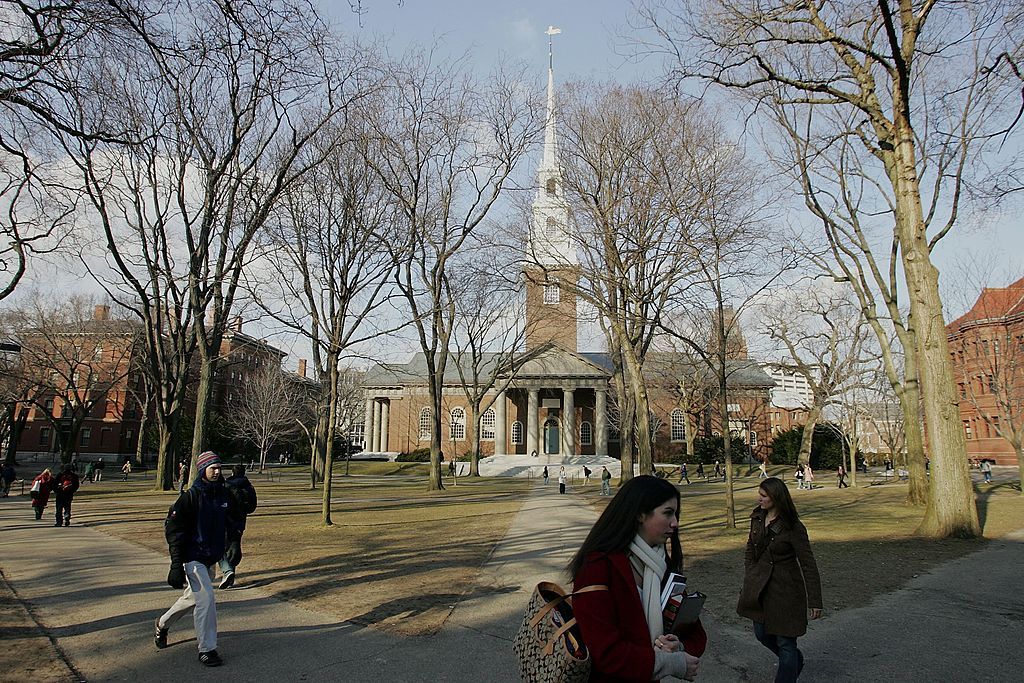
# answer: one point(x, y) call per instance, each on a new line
point(683, 475)
point(799, 476)
point(40, 492)
point(241, 489)
point(586, 474)
point(986, 470)
point(700, 470)
point(781, 585)
point(182, 476)
point(545, 475)
point(718, 469)
point(64, 488)
point(90, 471)
point(561, 480)
point(100, 466)
point(451, 467)
point(763, 470)
point(126, 469)
point(7, 477)
point(74, 464)
point(841, 477)
point(808, 478)
point(606, 482)
point(201, 527)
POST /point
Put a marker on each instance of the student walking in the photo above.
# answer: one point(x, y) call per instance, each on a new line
point(682, 474)
point(40, 492)
point(841, 477)
point(700, 470)
point(762, 470)
point(201, 527)
point(545, 475)
point(586, 474)
point(799, 477)
point(126, 469)
point(241, 489)
point(561, 480)
point(781, 585)
point(625, 555)
point(64, 488)
point(606, 482)
point(986, 470)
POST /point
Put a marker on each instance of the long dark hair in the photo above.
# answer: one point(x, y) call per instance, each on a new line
point(779, 493)
point(617, 526)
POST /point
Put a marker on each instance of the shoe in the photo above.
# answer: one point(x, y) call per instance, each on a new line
point(210, 658)
point(228, 581)
point(160, 636)
point(57, 524)
point(67, 522)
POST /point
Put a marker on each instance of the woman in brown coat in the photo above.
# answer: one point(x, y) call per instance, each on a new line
point(781, 586)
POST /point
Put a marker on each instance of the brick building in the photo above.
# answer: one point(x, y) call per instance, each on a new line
point(987, 348)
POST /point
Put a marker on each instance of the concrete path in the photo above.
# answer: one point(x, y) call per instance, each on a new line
point(97, 596)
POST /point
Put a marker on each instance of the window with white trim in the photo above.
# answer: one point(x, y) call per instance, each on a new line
point(425, 424)
point(487, 425)
point(551, 228)
point(457, 428)
point(586, 434)
point(753, 438)
point(678, 425)
point(552, 295)
point(517, 433)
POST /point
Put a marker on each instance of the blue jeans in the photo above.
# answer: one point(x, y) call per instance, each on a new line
point(606, 487)
point(791, 660)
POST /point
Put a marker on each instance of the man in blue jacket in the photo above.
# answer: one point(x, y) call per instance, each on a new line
point(201, 527)
point(241, 489)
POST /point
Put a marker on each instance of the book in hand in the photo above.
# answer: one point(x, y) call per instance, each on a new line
point(674, 585)
point(682, 611)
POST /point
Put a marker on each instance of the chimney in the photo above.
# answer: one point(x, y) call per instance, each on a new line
point(302, 367)
point(101, 312)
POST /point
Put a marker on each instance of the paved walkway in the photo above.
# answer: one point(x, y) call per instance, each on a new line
point(97, 596)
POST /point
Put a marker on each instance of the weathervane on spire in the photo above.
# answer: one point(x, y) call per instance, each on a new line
point(552, 31)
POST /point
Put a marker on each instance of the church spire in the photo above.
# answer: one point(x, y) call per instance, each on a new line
point(550, 161)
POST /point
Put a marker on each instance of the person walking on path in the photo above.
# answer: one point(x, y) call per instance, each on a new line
point(90, 471)
point(762, 470)
point(586, 474)
point(7, 477)
point(241, 489)
point(718, 469)
point(700, 470)
point(561, 480)
point(841, 477)
point(98, 473)
point(606, 481)
point(781, 585)
point(182, 476)
point(64, 488)
point(986, 470)
point(625, 556)
point(799, 477)
point(682, 474)
point(808, 477)
point(201, 527)
point(126, 469)
point(545, 475)
point(40, 491)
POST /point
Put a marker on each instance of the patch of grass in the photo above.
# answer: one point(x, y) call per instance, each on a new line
point(863, 538)
point(397, 557)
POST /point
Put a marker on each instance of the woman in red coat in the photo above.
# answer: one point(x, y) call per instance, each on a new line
point(623, 627)
point(781, 586)
point(41, 493)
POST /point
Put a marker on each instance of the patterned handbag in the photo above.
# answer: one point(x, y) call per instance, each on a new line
point(548, 645)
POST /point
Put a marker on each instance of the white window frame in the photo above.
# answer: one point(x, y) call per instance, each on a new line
point(517, 433)
point(487, 425)
point(678, 431)
point(586, 434)
point(457, 424)
point(425, 424)
point(552, 292)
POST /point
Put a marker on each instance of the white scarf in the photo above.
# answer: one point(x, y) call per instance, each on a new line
point(652, 564)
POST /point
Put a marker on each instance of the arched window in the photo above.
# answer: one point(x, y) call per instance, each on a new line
point(551, 186)
point(487, 425)
point(753, 439)
point(550, 228)
point(458, 425)
point(517, 433)
point(678, 425)
point(586, 434)
point(551, 292)
point(425, 424)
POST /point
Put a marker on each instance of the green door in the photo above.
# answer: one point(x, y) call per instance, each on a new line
point(551, 440)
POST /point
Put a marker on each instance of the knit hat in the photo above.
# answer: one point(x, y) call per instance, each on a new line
point(206, 459)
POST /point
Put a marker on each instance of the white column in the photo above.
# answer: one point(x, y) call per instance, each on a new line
point(532, 408)
point(385, 412)
point(500, 425)
point(368, 426)
point(376, 427)
point(568, 423)
point(601, 422)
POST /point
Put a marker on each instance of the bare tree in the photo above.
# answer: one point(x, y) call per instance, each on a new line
point(884, 110)
point(824, 337)
point(444, 148)
point(265, 414)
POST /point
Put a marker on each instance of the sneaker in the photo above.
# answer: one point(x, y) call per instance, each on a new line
point(210, 658)
point(228, 581)
point(160, 636)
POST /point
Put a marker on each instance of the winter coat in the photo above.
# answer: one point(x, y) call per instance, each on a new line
point(202, 523)
point(42, 497)
point(781, 580)
point(241, 489)
point(65, 485)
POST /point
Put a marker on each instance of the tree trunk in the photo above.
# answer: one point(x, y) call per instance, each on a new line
point(642, 411)
point(164, 456)
point(204, 403)
point(1018, 448)
point(474, 424)
point(332, 412)
point(730, 502)
point(140, 442)
point(434, 482)
point(913, 438)
point(807, 438)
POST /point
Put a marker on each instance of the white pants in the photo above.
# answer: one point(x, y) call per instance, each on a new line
point(199, 595)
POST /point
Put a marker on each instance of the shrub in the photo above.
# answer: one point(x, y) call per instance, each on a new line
point(709, 449)
point(826, 448)
point(418, 455)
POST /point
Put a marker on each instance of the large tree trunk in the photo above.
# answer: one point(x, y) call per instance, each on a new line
point(474, 439)
point(730, 501)
point(165, 463)
point(325, 507)
point(807, 438)
point(1018, 448)
point(204, 403)
point(642, 411)
point(951, 508)
point(913, 436)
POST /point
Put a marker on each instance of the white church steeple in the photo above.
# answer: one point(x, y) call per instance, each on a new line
point(549, 239)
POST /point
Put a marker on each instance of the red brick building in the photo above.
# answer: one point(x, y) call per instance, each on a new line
point(987, 348)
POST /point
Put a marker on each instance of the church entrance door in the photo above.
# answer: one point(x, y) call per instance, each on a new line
point(551, 437)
